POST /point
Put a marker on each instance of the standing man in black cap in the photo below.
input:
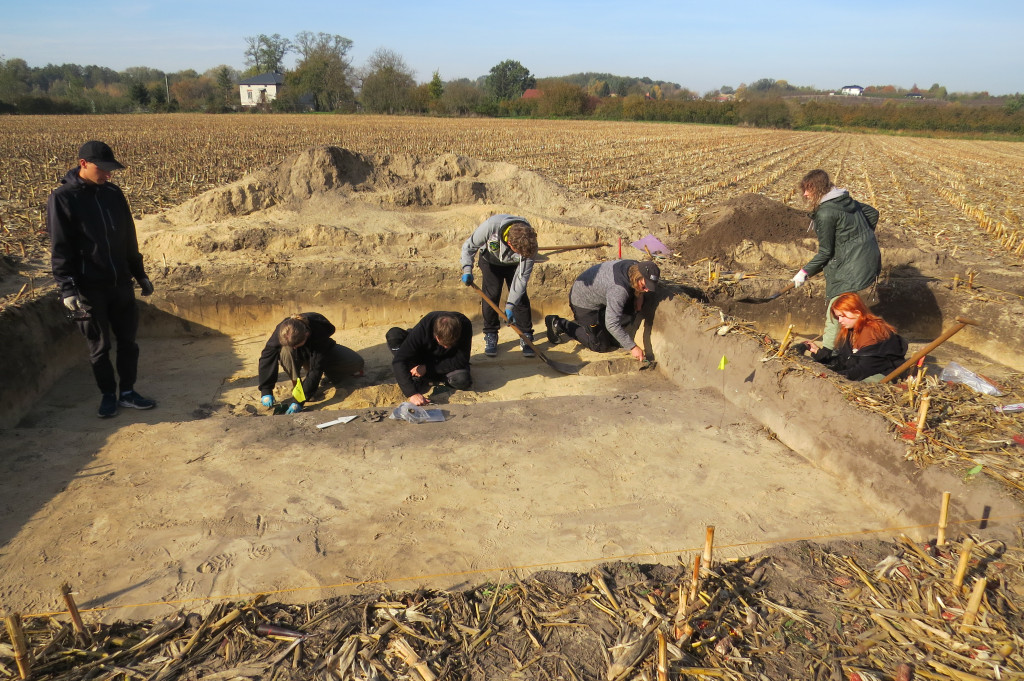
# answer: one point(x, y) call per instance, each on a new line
point(606, 301)
point(95, 256)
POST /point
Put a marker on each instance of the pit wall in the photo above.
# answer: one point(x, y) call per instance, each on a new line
point(811, 417)
point(39, 346)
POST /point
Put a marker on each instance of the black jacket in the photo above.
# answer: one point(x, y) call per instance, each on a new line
point(312, 352)
point(881, 358)
point(92, 235)
point(420, 347)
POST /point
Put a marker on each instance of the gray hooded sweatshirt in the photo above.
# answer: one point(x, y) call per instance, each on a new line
point(489, 240)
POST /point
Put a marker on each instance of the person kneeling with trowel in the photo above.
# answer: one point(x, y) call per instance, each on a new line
point(606, 300)
point(436, 350)
point(303, 341)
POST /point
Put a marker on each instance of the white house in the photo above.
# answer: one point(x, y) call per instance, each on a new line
point(854, 90)
point(260, 89)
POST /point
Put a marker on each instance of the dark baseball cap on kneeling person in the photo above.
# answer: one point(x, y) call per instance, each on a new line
point(99, 153)
point(651, 273)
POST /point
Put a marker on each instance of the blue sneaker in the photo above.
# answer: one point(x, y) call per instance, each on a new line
point(135, 401)
point(526, 347)
point(108, 406)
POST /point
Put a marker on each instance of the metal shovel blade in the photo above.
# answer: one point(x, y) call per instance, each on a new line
point(788, 287)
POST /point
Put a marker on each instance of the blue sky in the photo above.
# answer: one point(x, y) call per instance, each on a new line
point(964, 46)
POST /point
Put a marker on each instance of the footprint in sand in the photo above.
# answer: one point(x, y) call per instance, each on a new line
point(218, 563)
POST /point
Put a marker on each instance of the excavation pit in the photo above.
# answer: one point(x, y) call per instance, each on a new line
point(209, 495)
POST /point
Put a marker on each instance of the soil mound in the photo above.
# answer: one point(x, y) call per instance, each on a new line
point(745, 230)
point(397, 180)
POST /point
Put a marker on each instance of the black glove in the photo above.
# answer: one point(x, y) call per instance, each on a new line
point(147, 286)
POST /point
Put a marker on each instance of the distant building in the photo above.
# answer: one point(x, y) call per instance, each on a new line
point(260, 89)
point(532, 93)
point(852, 90)
point(914, 95)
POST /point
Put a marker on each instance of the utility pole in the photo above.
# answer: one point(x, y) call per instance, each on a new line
point(167, 90)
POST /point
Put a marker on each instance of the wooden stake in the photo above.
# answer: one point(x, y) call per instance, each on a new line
point(786, 340)
point(971, 613)
point(709, 545)
point(961, 568)
point(694, 581)
point(17, 634)
point(944, 512)
point(961, 322)
point(922, 414)
point(76, 618)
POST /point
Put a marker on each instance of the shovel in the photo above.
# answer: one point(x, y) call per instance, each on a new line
point(557, 366)
point(785, 289)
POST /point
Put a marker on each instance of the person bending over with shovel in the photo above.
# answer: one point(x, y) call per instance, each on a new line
point(303, 341)
point(847, 250)
point(436, 350)
point(606, 301)
point(867, 347)
point(507, 246)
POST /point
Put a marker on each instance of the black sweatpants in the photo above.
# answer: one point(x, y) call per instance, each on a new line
point(589, 330)
point(494, 277)
point(113, 319)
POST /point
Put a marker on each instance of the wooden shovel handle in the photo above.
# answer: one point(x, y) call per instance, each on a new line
point(501, 315)
point(573, 247)
point(961, 322)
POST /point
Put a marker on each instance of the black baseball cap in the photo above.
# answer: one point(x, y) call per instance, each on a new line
point(651, 273)
point(101, 154)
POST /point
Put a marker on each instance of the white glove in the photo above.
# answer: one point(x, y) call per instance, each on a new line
point(799, 279)
point(73, 302)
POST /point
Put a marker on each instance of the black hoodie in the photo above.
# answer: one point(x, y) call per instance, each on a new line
point(92, 235)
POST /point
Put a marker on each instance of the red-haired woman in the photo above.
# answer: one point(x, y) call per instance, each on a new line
point(867, 347)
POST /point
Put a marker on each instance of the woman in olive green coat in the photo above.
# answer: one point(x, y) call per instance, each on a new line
point(847, 250)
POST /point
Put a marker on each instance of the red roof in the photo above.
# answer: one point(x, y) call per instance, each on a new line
point(532, 93)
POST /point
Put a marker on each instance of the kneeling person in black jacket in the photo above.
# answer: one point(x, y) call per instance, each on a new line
point(867, 347)
point(436, 350)
point(303, 341)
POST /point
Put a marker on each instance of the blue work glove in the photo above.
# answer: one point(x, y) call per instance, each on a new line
point(267, 400)
point(467, 278)
point(508, 315)
point(293, 408)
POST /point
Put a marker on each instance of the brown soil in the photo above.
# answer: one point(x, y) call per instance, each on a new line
point(208, 496)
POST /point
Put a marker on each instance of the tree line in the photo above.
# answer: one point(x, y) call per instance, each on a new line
point(324, 79)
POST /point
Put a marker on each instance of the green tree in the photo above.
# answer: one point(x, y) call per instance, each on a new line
point(226, 79)
point(14, 79)
point(509, 80)
point(387, 82)
point(265, 53)
point(436, 87)
point(323, 70)
point(461, 97)
point(139, 93)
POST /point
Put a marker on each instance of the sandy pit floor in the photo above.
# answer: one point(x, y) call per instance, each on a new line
point(531, 469)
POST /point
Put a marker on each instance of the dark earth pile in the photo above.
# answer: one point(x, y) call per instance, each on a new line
point(753, 217)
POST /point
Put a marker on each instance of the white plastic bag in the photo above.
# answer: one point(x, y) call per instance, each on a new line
point(407, 411)
point(957, 374)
